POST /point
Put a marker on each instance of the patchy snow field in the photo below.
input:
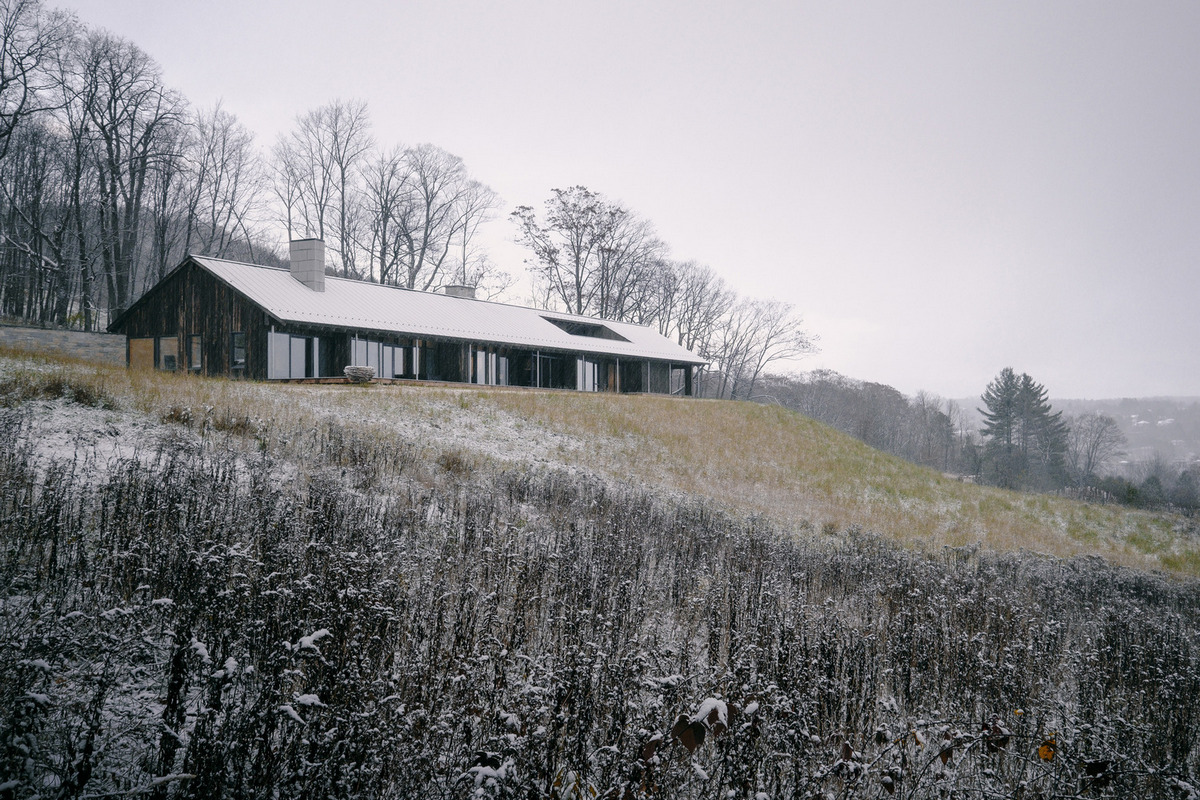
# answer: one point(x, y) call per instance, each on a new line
point(66, 431)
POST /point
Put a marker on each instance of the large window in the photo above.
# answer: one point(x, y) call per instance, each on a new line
point(279, 354)
point(195, 354)
point(387, 359)
point(586, 375)
point(292, 356)
point(237, 350)
point(299, 367)
point(490, 368)
point(168, 353)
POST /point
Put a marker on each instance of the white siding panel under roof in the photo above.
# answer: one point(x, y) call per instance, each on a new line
point(373, 307)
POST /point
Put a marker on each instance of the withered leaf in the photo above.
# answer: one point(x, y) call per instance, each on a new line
point(650, 747)
point(996, 736)
point(681, 724)
point(947, 748)
point(714, 723)
point(690, 734)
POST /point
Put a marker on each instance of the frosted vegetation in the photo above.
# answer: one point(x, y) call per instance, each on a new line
point(199, 601)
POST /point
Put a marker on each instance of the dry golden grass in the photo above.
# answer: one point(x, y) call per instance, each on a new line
point(766, 460)
point(749, 458)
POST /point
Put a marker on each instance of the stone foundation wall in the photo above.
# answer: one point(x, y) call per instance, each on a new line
point(104, 348)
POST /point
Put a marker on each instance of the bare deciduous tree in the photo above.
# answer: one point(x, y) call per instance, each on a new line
point(30, 38)
point(225, 183)
point(1092, 440)
point(694, 300)
point(316, 169)
point(592, 256)
point(474, 267)
point(443, 205)
point(285, 185)
point(384, 191)
point(167, 200)
point(753, 335)
point(35, 282)
point(129, 113)
point(422, 213)
point(349, 141)
point(630, 257)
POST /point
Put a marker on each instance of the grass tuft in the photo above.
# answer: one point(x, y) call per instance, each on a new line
point(76, 386)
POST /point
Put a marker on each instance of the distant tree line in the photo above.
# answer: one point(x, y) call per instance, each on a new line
point(1028, 445)
point(1156, 484)
point(925, 429)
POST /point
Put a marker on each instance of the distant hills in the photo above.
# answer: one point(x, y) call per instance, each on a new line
point(1164, 426)
point(1153, 426)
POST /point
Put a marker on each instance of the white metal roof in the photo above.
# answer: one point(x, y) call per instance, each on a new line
point(374, 307)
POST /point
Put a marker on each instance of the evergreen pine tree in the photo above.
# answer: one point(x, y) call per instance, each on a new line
point(1001, 454)
point(1026, 439)
point(1186, 494)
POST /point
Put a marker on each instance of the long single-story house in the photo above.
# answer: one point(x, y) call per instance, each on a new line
point(216, 317)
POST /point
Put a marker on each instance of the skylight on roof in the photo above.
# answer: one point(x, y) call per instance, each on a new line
point(591, 329)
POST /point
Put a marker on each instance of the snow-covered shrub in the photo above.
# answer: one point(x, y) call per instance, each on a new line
point(205, 622)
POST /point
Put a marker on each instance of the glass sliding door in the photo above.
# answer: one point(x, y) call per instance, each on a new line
point(279, 356)
point(292, 356)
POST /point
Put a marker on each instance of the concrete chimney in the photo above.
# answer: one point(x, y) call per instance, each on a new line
point(455, 290)
point(308, 262)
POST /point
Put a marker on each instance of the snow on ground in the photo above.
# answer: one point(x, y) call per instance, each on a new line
point(60, 430)
point(450, 420)
point(435, 420)
point(455, 419)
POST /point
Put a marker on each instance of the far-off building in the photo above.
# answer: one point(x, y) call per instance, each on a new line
point(216, 317)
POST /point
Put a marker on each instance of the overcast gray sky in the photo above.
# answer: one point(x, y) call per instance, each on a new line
point(942, 189)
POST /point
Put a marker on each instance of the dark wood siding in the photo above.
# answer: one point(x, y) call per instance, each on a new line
point(190, 302)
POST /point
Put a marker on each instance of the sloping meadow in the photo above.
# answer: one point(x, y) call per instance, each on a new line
point(198, 619)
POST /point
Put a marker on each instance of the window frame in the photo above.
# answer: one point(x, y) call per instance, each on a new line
point(167, 354)
point(237, 341)
point(195, 353)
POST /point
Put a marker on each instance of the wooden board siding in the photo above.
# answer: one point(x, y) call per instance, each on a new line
point(191, 301)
